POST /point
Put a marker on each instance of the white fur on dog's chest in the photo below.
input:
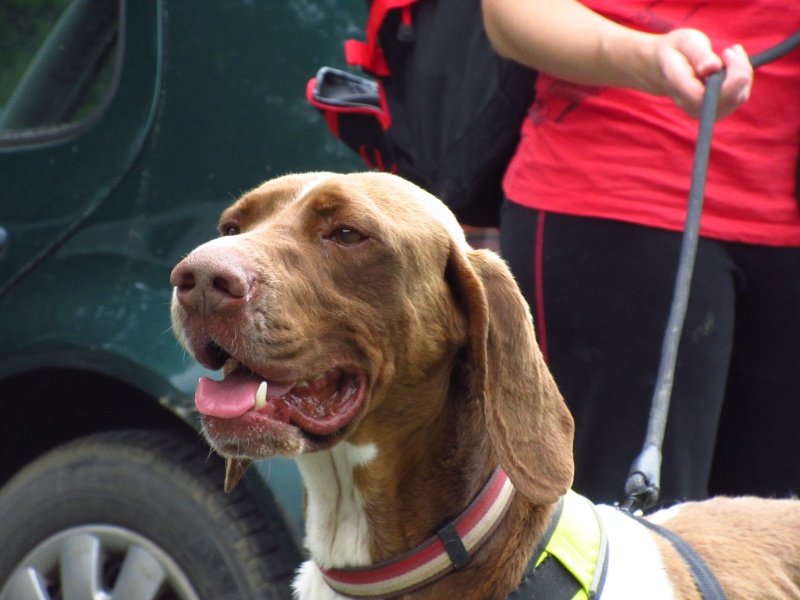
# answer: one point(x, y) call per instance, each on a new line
point(337, 531)
point(310, 585)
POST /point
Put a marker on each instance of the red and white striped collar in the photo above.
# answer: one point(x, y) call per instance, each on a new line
point(450, 549)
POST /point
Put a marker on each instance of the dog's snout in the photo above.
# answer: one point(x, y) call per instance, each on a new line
point(212, 283)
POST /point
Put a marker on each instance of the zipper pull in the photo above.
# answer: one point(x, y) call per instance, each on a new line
point(405, 31)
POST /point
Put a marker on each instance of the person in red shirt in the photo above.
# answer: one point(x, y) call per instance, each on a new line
point(596, 202)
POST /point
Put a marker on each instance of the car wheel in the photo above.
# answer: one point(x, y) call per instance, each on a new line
point(139, 515)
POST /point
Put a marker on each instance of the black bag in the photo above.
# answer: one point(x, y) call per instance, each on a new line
point(444, 111)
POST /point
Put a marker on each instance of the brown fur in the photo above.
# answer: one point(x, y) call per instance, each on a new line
point(751, 544)
point(456, 382)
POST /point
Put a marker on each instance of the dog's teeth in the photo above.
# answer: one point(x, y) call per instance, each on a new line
point(301, 384)
point(230, 366)
point(318, 376)
point(261, 395)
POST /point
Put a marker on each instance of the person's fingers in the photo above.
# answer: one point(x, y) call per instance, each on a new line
point(738, 80)
point(696, 47)
point(686, 58)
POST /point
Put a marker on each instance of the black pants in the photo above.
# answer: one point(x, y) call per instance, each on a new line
point(600, 292)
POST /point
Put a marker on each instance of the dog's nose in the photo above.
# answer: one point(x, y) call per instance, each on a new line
point(213, 283)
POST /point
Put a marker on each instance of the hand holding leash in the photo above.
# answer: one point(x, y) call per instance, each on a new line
point(685, 59)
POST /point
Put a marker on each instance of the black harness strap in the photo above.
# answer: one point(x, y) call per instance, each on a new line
point(549, 580)
point(707, 584)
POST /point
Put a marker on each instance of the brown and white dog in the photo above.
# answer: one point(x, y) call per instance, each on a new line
point(359, 334)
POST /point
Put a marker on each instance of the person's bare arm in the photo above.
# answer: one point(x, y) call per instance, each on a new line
point(566, 39)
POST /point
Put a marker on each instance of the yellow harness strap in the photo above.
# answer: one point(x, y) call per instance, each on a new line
point(579, 543)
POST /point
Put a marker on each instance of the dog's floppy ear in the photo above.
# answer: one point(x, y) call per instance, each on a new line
point(529, 425)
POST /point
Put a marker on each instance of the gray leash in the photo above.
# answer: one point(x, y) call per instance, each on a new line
point(643, 484)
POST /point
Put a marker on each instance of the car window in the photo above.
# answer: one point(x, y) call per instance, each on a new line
point(57, 63)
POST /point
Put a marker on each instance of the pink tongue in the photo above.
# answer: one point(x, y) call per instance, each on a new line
point(227, 399)
point(235, 395)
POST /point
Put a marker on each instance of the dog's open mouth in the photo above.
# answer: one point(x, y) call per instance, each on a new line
point(320, 404)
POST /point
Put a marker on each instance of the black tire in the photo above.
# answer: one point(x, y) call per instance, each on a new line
point(151, 490)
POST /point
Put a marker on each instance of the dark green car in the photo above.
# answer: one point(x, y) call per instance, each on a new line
point(125, 128)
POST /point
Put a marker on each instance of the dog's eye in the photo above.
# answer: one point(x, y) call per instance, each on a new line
point(346, 237)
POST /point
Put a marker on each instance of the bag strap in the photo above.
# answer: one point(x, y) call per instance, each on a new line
point(368, 55)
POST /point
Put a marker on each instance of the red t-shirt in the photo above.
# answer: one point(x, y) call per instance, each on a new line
point(621, 154)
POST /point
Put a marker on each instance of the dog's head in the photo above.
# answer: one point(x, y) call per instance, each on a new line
point(337, 304)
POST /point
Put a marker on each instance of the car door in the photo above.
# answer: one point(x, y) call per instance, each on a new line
point(79, 82)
